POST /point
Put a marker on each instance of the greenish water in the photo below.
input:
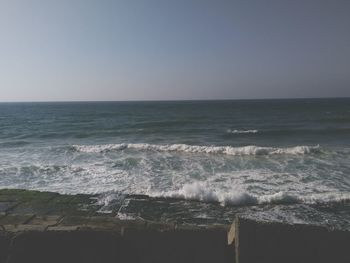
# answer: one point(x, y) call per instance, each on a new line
point(234, 153)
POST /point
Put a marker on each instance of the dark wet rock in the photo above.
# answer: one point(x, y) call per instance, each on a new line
point(5, 206)
point(16, 219)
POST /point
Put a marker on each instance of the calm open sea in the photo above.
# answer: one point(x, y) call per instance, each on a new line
point(223, 153)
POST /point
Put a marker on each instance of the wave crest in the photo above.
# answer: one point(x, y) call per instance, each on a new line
point(201, 191)
point(227, 150)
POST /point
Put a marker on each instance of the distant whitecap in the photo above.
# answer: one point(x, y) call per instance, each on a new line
point(241, 131)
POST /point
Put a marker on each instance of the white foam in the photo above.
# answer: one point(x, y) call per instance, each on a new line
point(325, 197)
point(278, 198)
point(201, 191)
point(242, 131)
point(99, 148)
point(123, 216)
point(228, 150)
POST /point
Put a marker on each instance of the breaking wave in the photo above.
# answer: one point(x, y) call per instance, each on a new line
point(228, 150)
point(200, 191)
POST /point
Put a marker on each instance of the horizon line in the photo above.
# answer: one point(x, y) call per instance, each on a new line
point(168, 100)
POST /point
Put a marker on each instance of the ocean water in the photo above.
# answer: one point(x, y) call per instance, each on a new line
point(211, 155)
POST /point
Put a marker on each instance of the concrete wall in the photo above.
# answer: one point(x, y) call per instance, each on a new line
point(129, 245)
point(248, 241)
point(277, 242)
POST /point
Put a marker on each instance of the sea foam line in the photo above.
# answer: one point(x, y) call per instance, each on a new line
point(228, 150)
point(201, 191)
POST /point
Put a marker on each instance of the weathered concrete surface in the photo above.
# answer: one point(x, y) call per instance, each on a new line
point(5, 241)
point(68, 246)
point(272, 242)
point(130, 245)
point(48, 227)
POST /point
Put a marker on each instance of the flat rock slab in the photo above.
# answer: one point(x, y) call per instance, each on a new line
point(50, 227)
point(16, 219)
point(5, 206)
point(26, 210)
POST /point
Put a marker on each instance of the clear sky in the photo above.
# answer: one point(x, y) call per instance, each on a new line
point(173, 49)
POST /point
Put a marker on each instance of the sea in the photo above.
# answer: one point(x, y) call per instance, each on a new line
point(198, 162)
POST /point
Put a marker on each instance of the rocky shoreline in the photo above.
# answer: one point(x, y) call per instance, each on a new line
point(50, 227)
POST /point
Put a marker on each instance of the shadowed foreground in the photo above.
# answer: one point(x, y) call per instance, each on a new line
point(48, 227)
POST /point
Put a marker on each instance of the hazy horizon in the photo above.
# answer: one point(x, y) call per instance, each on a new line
point(171, 100)
point(173, 50)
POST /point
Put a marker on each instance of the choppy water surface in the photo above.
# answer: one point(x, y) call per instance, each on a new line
point(223, 154)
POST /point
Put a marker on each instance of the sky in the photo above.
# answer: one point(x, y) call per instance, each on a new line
point(77, 50)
